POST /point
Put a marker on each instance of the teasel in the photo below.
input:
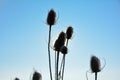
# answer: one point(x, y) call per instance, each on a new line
point(37, 76)
point(60, 41)
point(16, 78)
point(95, 65)
point(50, 21)
point(69, 33)
point(51, 18)
point(64, 51)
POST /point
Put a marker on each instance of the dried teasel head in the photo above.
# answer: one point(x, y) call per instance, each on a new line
point(69, 32)
point(37, 76)
point(56, 45)
point(95, 64)
point(64, 50)
point(51, 17)
point(60, 41)
point(17, 78)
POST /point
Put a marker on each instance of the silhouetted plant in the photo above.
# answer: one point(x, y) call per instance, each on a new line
point(69, 33)
point(36, 76)
point(64, 51)
point(61, 46)
point(50, 21)
point(95, 65)
point(17, 78)
point(60, 41)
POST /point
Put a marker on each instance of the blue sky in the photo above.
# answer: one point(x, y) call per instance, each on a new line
point(24, 34)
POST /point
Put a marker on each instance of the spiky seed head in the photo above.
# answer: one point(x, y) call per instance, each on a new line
point(56, 45)
point(69, 32)
point(51, 17)
point(64, 50)
point(95, 64)
point(62, 37)
point(60, 41)
point(37, 76)
point(17, 78)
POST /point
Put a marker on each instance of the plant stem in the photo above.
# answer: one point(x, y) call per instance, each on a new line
point(64, 62)
point(95, 75)
point(57, 65)
point(63, 66)
point(49, 57)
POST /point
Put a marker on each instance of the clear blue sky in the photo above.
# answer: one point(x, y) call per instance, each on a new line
point(24, 34)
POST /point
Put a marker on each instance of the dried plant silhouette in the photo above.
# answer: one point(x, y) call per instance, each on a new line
point(36, 76)
point(16, 78)
point(57, 47)
point(95, 65)
point(60, 46)
point(60, 49)
point(50, 21)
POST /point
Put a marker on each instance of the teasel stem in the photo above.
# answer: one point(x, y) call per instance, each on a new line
point(63, 66)
point(64, 61)
point(95, 75)
point(49, 57)
point(57, 65)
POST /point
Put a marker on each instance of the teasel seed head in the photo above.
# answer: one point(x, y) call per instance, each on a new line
point(95, 64)
point(51, 17)
point(60, 41)
point(69, 32)
point(37, 76)
point(17, 78)
point(64, 50)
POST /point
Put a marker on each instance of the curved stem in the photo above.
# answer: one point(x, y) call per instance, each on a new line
point(49, 57)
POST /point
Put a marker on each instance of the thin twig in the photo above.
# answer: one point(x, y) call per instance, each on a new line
point(64, 62)
point(49, 57)
point(95, 75)
point(63, 66)
point(57, 65)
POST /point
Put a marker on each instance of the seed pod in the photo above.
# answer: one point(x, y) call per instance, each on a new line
point(69, 32)
point(60, 41)
point(17, 78)
point(56, 45)
point(37, 76)
point(51, 17)
point(95, 64)
point(64, 49)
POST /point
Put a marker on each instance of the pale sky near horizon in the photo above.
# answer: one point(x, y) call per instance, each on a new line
point(24, 34)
